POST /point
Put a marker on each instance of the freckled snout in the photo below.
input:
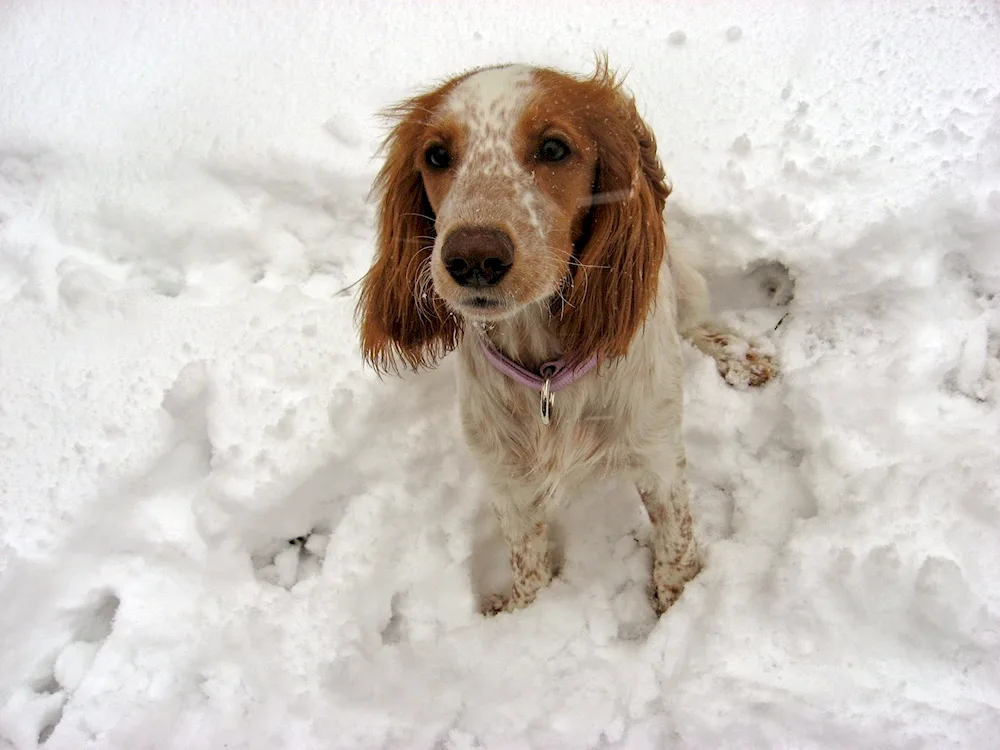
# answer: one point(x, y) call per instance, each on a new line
point(477, 257)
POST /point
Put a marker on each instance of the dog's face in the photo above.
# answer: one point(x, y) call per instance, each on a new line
point(509, 187)
point(509, 172)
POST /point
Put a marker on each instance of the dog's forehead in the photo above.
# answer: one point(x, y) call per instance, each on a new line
point(494, 96)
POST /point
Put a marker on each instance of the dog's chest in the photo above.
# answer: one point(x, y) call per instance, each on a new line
point(503, 425)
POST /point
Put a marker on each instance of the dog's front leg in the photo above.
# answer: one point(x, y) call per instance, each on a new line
point(523, 522)
point(675, 550)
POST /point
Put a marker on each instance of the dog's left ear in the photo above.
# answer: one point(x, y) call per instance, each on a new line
point(617, 272)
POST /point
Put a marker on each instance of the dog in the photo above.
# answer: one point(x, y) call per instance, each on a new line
point(521, 223)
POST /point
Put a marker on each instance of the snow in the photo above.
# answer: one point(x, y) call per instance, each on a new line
point(218, 530)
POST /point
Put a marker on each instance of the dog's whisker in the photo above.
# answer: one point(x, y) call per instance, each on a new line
point(611, 196)
point(420, 216)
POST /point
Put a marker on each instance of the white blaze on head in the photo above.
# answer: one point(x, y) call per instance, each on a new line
point(489, 105)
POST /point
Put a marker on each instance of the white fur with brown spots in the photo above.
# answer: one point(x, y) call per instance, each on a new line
point(590, 275)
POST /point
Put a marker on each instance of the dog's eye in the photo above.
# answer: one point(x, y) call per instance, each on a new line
point(437, 157)
point(552, 149)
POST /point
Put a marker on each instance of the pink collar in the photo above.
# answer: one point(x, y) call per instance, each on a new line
point(557, 375)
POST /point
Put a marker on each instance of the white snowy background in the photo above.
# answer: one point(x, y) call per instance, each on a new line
point(183, 206)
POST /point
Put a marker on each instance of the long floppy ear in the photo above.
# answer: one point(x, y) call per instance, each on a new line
point(616, 273)
point(402, 320)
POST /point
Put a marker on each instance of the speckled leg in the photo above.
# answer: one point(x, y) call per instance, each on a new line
point(675, 550)
point(527, 535)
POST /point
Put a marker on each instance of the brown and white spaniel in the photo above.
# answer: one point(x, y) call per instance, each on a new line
point(521, 224)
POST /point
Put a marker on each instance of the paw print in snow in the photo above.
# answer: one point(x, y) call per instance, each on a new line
point(286, 562)
point(32, 712)
point(775, 282)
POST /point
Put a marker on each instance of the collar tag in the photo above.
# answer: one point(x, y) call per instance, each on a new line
point(548, 398)
point(551, 378)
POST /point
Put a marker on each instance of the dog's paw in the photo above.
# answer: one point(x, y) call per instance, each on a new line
point(743, 363)
point(494, 604)
point(668, 584)
point(748, 366)
point(661, 599)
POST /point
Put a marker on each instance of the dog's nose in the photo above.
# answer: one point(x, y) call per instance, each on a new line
point(477, 256)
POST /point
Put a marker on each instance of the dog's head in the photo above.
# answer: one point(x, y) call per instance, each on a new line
point(508, 187)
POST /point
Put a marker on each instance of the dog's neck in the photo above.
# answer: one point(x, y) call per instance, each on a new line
point(529, 338)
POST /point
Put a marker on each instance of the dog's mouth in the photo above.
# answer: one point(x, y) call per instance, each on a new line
point(482, 307)
point(483, 303)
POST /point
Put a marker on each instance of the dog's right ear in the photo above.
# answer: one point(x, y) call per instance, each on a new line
point(402, 320)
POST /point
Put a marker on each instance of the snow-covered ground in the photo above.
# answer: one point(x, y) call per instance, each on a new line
point(182, 212)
